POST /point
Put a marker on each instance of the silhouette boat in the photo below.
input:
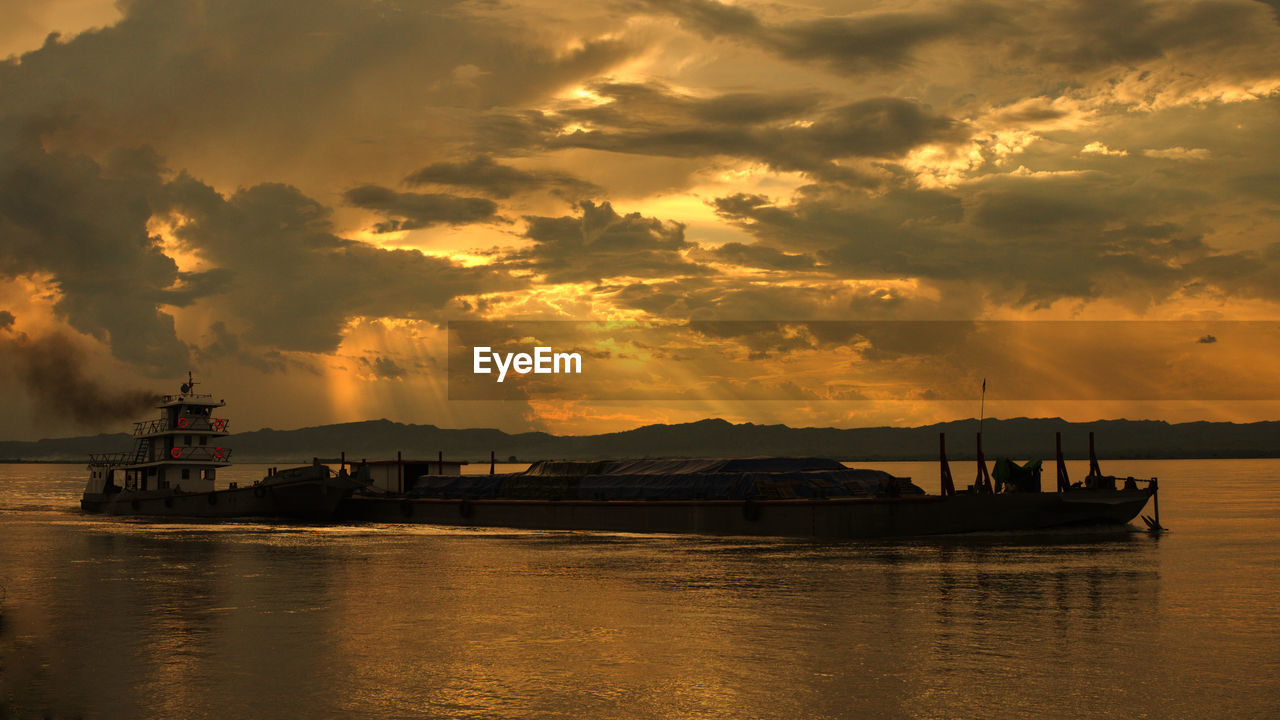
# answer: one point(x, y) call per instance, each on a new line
point(174, 464)
point(785, 497)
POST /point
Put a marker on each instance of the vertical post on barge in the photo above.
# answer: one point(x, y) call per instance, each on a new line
point(1094, 470)
point(1155, 501)
point(440, 468)
point(1153, 524)
point(948, 484)
point(983, 481)
point(982, 406)
point(491, 461)
point(1064, 482)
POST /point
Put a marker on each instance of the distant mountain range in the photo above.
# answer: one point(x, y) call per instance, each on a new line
point(1017, 437)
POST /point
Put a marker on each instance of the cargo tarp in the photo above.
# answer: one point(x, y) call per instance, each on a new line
point(681, 466)
point(676, 479)
point(1012, 477)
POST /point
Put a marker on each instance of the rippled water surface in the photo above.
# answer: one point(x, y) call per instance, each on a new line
point(119, 618)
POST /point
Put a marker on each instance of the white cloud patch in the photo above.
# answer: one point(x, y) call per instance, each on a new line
point(1179, 153)
point(1099, 148)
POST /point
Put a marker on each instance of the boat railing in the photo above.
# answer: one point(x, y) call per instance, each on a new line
point(1109, 482)
point(185, 396)
point(147, 428)
point(108, 459)
point(201, 453)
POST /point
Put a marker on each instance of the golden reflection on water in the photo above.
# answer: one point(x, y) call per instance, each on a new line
point(122, 618)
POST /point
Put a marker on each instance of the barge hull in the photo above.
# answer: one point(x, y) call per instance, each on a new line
point(300, 500)
point(830, 518)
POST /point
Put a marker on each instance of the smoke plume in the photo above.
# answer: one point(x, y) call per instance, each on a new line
point(52, 370)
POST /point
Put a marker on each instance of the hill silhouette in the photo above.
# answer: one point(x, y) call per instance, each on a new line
point(1015, 437)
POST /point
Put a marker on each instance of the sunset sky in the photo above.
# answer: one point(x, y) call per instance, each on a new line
point(293, 198)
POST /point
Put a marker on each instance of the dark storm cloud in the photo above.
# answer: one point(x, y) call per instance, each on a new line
point(653, 104)
point(277, 268)
point(410, 211)
point(294, 284)
point(889, 231)
point(1101, 33)
point(482, 174)
point(600, 244)
point(863, 341)
point(1265, 185)
point(1274, 5)
point(725, 297)
point(222, 344)
point(1075, 35)
point(1026, 242)
point(760, 256)
point(84, 226)
point(846, 44)
point(6, 320)
point(1253, 274)
point(788, 131)
point(513, 132)
point(369, 86)
point(271, 81)
point(246, 85)
point(383, 367)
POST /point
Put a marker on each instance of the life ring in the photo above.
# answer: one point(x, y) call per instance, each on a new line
point(406, 508)
point(182, 422)
point(466, 509)
point(750, 510)
point(175, 452)
point(259, 491)
point(217, 453)
point(220, 424)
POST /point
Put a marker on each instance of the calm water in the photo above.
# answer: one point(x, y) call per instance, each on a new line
point(128, 619)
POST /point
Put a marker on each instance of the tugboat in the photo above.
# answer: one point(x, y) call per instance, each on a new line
point(173, 465)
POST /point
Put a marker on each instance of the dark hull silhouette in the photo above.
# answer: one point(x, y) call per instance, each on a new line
point(314, 496)
point(814, 518)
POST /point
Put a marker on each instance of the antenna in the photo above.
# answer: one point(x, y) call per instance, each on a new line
point(189, 385)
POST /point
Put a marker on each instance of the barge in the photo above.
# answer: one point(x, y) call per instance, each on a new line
point(783, 497)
